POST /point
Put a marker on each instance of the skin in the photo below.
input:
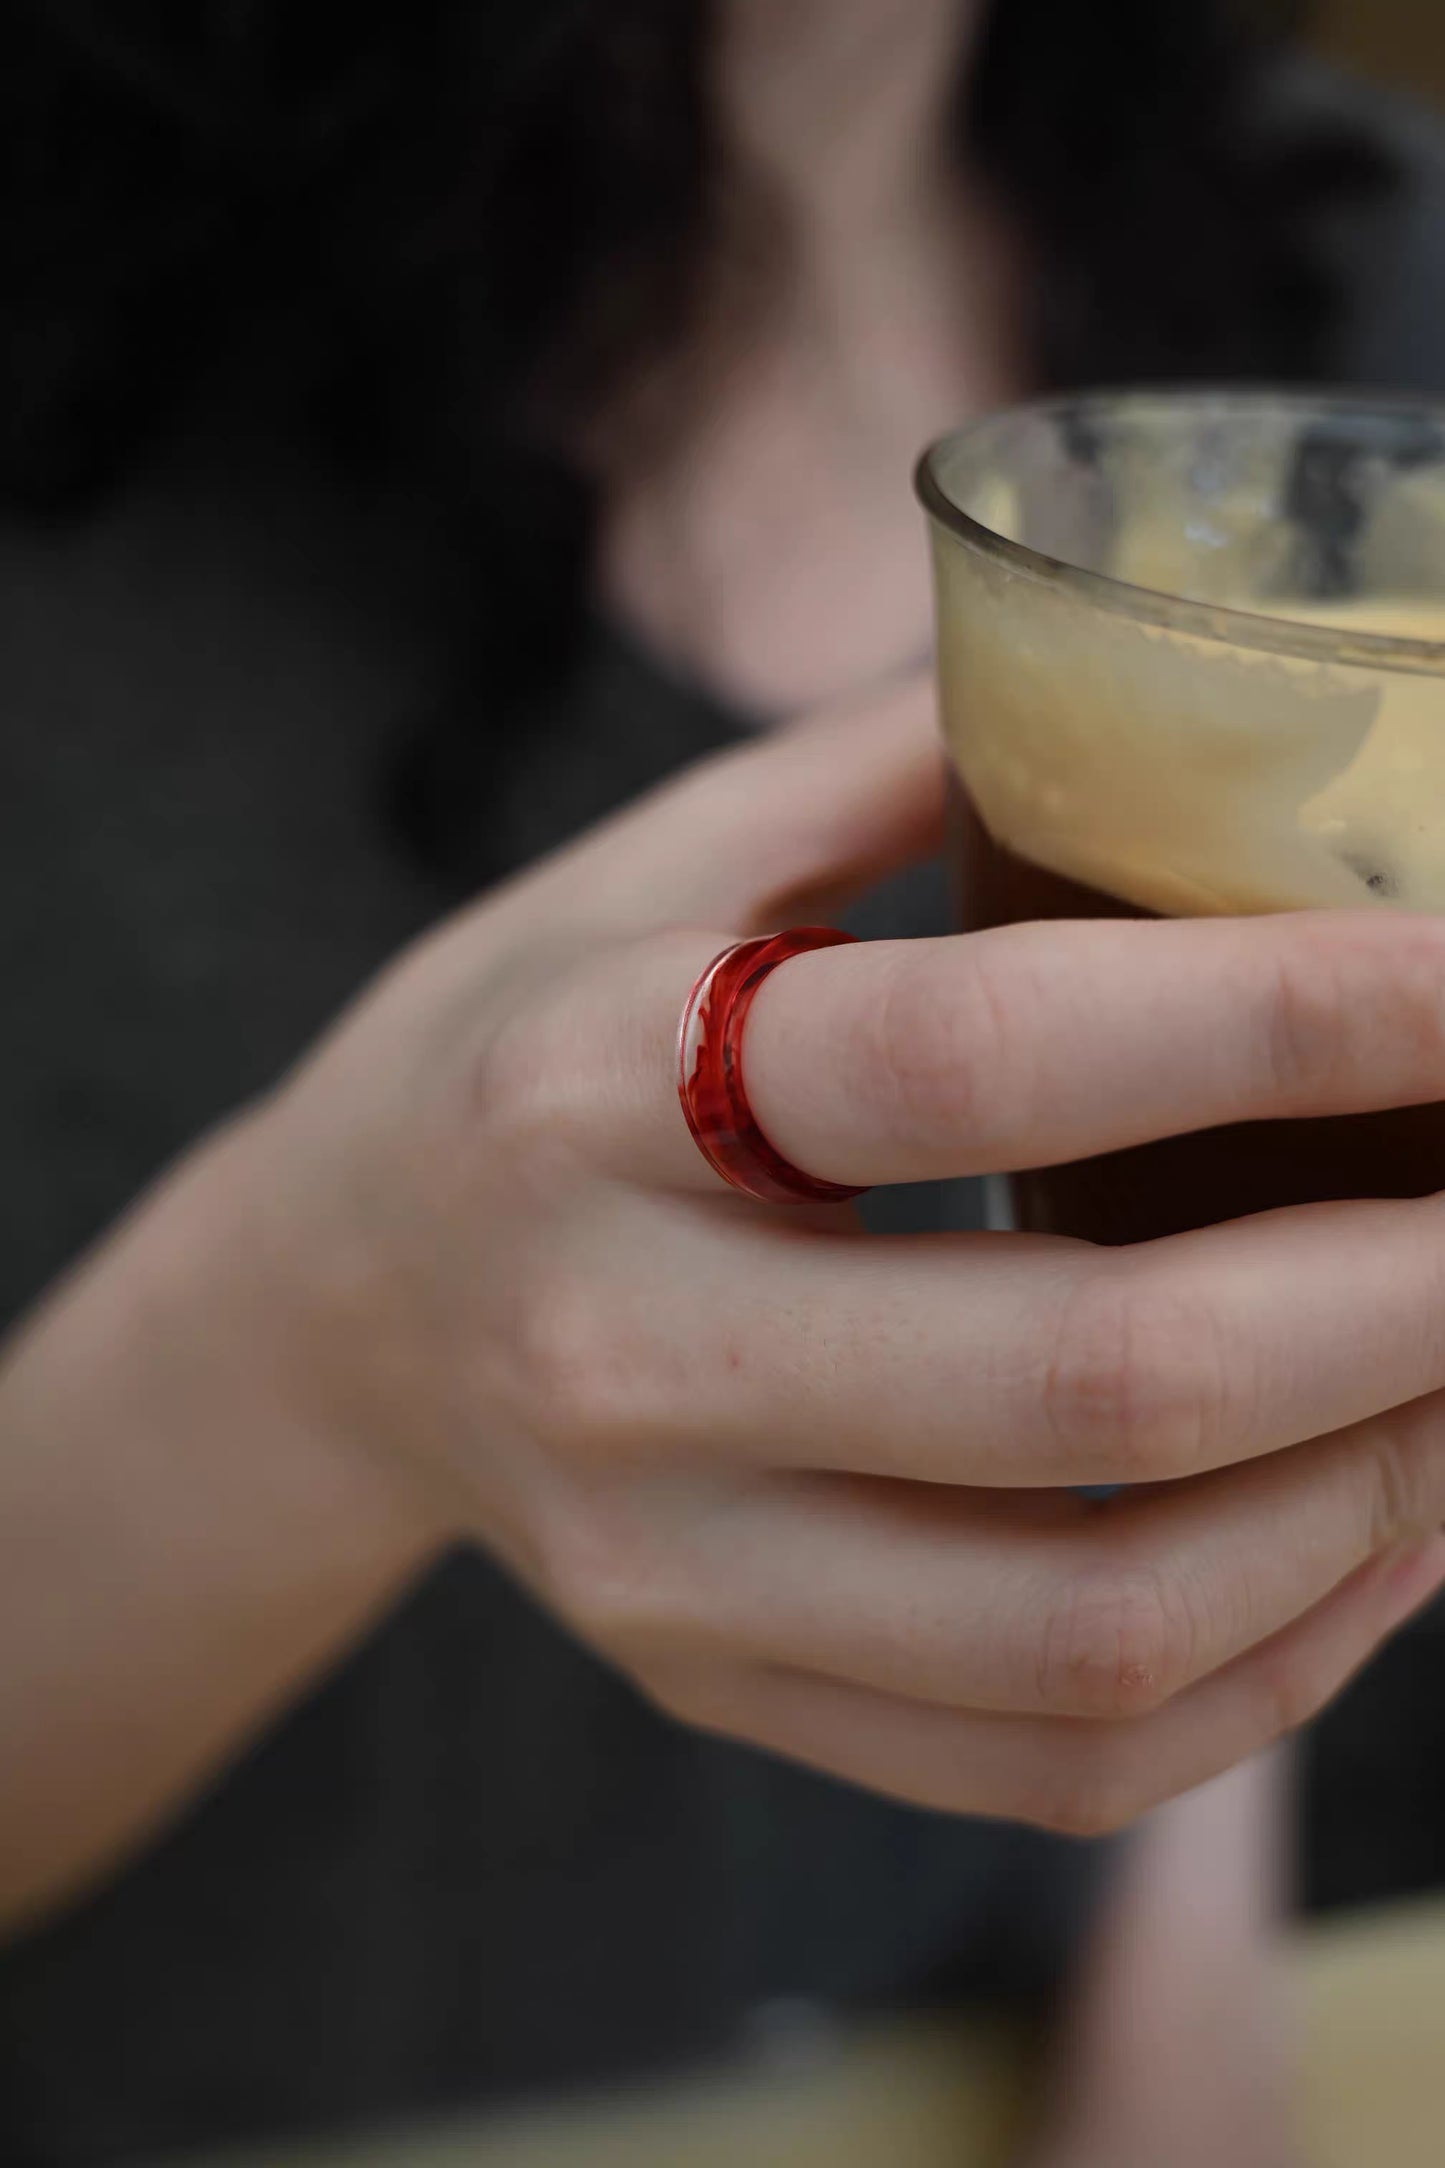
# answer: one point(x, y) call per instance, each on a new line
point(435, 1288)
point(1177, 2043)
point(772, 549)
point(768, 542)
point(770, 546)
point(464, 1276)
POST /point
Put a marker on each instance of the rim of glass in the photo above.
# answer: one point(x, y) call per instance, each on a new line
point(1157, 606)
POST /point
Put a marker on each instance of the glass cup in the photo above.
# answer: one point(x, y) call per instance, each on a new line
point(1191, 652)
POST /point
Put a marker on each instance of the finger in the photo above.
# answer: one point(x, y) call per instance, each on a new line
point(889, 1061)
point(1084, 1778)
point(1047, 1604)
point(766, 835)
point(1031, 1045)
point(1003, 1360)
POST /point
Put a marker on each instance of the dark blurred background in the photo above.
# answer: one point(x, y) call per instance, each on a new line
point(1399, 42)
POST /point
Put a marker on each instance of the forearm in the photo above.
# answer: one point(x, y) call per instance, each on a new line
point(183, 1542)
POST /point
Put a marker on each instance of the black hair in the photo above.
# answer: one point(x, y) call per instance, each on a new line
point(431, 228)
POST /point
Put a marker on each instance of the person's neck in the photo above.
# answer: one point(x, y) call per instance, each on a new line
point(842, 111)
point(763, 536)
point(852, 231)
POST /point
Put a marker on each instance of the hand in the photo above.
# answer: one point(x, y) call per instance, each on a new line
point(807, 1487)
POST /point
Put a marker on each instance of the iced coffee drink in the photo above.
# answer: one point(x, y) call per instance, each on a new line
point(1192, 660)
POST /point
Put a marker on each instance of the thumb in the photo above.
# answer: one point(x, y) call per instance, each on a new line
point(764, 835)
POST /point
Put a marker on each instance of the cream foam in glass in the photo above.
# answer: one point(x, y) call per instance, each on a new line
point(1192, 660)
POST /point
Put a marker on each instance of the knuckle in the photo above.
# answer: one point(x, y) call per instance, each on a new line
point(1334, 998)
point(552, 1086)
point(1117, 1644)
point(1134, 1388)
point(945, 1067)
point(1302, 1038)
point(524, 1089)
point(588, 1386)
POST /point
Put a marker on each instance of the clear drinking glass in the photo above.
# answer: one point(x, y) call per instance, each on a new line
point(1191, 652)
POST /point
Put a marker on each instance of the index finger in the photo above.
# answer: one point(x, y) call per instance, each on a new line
point(1033, 1045)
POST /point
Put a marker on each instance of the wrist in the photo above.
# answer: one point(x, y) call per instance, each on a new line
point(275, 1313)
point(186, 1541)
point(200, 1340)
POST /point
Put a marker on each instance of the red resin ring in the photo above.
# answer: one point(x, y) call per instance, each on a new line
point(710, 1070)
